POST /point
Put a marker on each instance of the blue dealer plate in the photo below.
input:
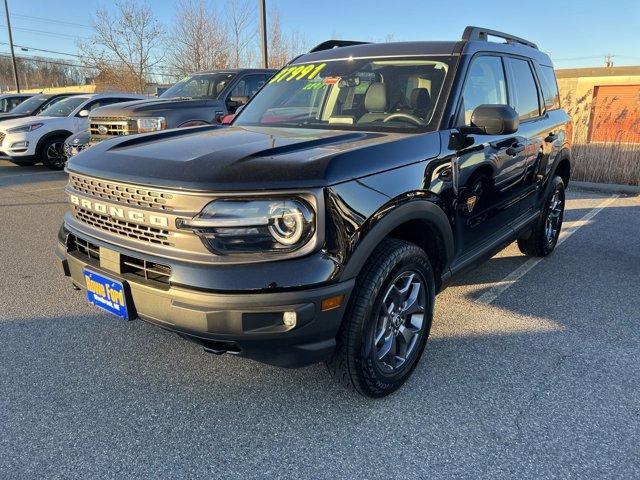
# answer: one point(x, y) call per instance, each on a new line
point(106, 293)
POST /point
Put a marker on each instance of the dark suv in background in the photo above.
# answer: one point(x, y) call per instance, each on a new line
point(200, 99)
point(321, 224)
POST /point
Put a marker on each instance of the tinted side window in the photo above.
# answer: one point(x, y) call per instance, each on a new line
point(106, 101)
point(525, 92)
point(13, 103)
point(549, 88)
point(248, 86)
point(485, 84)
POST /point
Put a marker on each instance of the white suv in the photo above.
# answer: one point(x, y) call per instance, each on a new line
point(40, 138)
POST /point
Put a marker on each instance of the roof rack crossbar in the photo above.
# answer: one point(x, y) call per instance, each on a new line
point(482, 34)
point(329, 44)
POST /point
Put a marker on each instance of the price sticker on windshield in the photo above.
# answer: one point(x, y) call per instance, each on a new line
point(298, 72)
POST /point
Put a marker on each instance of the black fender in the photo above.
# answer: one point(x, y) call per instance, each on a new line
point(56, 133)
point(563, 154)
point(387, 219)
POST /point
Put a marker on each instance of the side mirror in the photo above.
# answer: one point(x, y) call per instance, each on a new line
point(493, 120)
point(83, 113)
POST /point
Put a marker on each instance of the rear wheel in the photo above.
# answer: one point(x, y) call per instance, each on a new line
point(387, 321)
point(542, 239)
point(52, 153)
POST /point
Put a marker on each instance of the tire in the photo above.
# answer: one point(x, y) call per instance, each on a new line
point(356, 363)
point(29, 163)
point(51, 153)
point(542, 239)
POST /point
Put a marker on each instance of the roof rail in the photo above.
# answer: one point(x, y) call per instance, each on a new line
point(482, 34)
point(329, 44)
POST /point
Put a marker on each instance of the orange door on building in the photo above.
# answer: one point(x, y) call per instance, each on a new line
point(615, 114)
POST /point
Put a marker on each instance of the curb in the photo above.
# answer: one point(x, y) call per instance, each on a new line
point(606, 187)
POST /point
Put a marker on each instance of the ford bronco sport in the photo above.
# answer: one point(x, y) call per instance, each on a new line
point(321, 224)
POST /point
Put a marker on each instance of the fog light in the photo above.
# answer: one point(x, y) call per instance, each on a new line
point(20, 145)
point(289, 319)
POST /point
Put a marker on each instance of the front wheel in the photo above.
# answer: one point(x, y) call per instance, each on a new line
point(52, 153)
point(542, 239)
point(387, 321)
point(21, 163)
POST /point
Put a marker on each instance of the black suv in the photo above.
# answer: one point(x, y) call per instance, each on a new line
point(203, 98)
point(321, 224)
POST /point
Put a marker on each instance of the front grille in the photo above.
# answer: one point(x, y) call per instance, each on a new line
point(143, 233)
point(136, 196)
point(114, 126)
point(150, 271)
point(85, 248)
point(129, 266)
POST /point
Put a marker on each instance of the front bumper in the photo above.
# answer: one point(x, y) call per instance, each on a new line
point(19, 145)
point(249, 324)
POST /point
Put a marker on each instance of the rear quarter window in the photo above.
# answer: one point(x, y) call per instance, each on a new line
point(549, 88)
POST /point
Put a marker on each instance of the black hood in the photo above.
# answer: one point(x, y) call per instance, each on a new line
point(153, 106)
point(251, 158)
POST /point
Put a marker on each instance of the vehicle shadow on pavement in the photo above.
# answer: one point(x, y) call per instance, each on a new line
point(15, 176)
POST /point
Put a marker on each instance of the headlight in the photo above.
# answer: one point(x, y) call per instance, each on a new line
point(229, 226)
point(25, 128)
point(151, 124)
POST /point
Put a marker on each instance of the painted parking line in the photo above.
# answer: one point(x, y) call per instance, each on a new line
point(494, 292)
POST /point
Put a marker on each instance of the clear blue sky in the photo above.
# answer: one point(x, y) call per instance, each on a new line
point(575, 33)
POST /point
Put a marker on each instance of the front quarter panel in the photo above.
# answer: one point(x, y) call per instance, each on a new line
point(364, 211)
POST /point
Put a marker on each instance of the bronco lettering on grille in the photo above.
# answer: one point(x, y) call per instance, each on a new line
point(119, 212)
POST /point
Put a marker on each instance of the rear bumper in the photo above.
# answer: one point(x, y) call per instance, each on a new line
point(249, 324)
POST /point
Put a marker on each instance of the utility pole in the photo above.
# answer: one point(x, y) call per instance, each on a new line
point(608, 60)
point(13, 55)
point(263, 33)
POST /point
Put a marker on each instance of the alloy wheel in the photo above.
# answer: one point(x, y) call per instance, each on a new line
point(55, 154)
point(553, 221)
point(400, 321)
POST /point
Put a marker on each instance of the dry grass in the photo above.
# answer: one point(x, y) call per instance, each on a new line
point(616, 161)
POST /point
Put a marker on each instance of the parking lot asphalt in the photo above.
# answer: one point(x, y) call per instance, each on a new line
point(532, 374)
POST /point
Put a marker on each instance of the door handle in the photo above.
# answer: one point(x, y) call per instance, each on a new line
point(515, 149)
point(552, 137)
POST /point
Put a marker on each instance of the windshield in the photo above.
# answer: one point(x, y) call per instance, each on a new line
point(63, 108)
point(355, 94)
point(203, 85)
point(30, 105)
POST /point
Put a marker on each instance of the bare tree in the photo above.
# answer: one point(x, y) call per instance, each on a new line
point(199, 38)
point(125, 39)
point(242, 26)
point(282, 47)
point(41, 72)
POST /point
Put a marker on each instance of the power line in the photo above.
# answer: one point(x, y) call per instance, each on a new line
point(156, 70)
point(42, 60)
point(53, 34)
point(113, 62)
point(50, 20)
point(43, 50)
